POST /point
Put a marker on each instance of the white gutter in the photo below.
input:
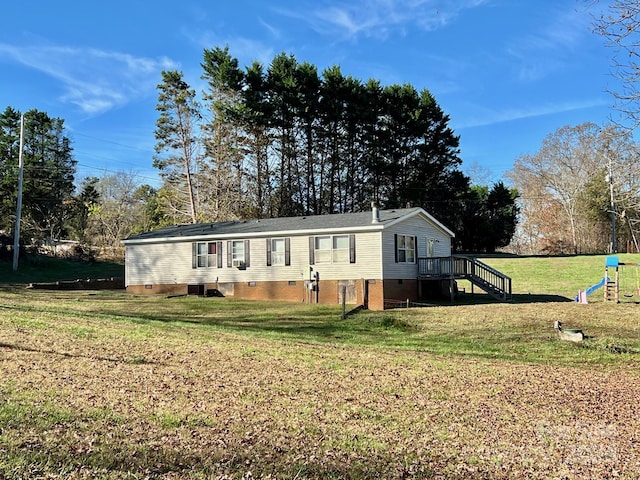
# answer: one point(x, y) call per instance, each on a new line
point(265, 234)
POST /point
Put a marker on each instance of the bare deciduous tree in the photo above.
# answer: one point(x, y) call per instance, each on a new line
point(619, 25)
point(565, 187)
point(116, 213)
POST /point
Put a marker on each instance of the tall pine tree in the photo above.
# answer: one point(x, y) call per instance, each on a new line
point(177, 146)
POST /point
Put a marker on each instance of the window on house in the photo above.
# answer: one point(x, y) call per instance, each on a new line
point(323, 250)
point(207, 254)
point(340, 249)
point(332, 249)
point(238, 253)
point(405, 249)
point(278, 251)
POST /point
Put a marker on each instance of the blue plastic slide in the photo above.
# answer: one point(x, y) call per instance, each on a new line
point(593, 288)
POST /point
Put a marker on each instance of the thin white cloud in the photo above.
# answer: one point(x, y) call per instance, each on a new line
point(379, 18)
point(246, 50)
point(93, 80)
point(552, 46)
point(273, 31)
point(492, 117)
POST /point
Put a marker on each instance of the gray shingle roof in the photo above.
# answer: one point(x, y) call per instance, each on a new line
point(275, 225)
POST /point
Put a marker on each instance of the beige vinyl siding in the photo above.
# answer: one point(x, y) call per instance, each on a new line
point(157, 263)
point(417, 226)
point(368, 264)
point(171, 262)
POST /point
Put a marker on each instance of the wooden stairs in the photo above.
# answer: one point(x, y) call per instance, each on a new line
point(495, 283)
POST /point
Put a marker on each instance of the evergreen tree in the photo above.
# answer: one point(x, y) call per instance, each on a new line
point(222, 176)
point(490, 216)
point(9, 145)
point(284, 99)
point(286, 142)
point(49, 169)
point(83, 204)
point(177, 148)
point(308, 85)
point(374, 137)
point(332, 109)
point(255, 113)
point(502, 212)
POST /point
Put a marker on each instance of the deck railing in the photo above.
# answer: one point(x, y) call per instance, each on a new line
point(489, 279)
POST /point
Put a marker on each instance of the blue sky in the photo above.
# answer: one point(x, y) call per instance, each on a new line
point(507, 72)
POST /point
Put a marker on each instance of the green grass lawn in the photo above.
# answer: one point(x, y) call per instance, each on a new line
point(564, 276)
point(99, 384)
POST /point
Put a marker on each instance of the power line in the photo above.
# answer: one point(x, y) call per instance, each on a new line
point(40, 168)
point(106, 170)
point(111, 142)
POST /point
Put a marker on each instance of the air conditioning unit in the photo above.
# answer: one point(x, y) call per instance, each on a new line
point(238, 263)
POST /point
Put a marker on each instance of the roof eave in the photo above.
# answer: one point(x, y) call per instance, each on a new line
point(274, 233)
point(420, 211)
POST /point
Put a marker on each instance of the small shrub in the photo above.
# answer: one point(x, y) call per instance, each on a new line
point(389, 321)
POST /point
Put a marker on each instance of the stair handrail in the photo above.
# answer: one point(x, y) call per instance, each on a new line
point(486, 277)
point(503, 290)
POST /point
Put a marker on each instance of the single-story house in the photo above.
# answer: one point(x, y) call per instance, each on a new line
point(367, 257)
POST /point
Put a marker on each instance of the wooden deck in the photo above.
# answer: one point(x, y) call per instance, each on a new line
point(495, 283)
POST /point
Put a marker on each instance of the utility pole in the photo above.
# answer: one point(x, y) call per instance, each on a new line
point(609, 179)
point(16, 234)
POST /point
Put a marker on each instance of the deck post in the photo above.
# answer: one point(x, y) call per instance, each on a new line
point(344, 302)
point(451, 291)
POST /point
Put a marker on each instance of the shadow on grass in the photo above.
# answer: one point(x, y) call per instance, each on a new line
point(538, 298)
point(485, 299)
point(298, 323)
point(22, 348)
point(39, 268)
point(306, 326)
point(315, 323)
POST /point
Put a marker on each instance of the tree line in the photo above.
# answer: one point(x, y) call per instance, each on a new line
point(259, 142)
point(93, 211)
point(49, 169)
point(580, 193)
point(286, 140)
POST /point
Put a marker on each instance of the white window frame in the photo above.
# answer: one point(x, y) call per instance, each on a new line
point(406, 248)
point(278, 256)
point(238, 254)
point(204, 258)
point(339, 254)
point(322, 255)
point(327, 249)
